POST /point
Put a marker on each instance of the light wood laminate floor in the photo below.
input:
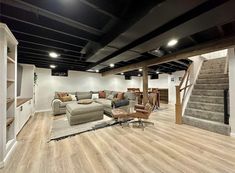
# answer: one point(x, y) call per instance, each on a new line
point(165, 147)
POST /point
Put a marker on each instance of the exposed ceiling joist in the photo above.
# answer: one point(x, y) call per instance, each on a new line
point(53, 47)
point(97, 8)
point(40, 37)
point(182, 63)
point(31, 8)
point(192, 51)
point(40, 26)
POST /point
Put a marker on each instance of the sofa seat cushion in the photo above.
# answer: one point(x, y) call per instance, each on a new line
point(75, 109)
point(105, 102)
point(63, 104)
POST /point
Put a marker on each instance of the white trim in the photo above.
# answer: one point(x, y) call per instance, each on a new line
point(44, 110)
point(8, 156)
point(232, 134)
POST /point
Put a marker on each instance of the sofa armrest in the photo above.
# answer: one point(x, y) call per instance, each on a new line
point(119, 103)
point(56, 106)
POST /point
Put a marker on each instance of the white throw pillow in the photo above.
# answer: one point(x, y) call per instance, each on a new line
point(95, 96)
point(73, 97)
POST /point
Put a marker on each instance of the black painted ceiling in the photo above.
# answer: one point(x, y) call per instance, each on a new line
point(91, 34)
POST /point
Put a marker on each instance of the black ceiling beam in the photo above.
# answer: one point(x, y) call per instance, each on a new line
point(182, 63)
point(33, 60)
point(44, 27)
point(40, 37)
point(200, 9)
point(39, 11)
point(97, 8)
point(78, 59)
point(177, 66)
point(53, 47)
point(43, 52)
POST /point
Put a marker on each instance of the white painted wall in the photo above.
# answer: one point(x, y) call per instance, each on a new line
point(27, 84)
point(216, 54)
point(76, 81)
point(231, 56)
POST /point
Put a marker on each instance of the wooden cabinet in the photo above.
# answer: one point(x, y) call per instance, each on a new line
point(164, 97)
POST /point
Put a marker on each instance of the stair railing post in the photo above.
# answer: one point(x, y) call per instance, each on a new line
point(178, 107)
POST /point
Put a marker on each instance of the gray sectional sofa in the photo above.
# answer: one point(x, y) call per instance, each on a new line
point(59, 107)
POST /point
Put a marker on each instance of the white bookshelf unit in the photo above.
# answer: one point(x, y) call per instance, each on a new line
point(8, 85)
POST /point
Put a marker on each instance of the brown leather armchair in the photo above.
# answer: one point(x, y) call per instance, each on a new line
point(142, 112)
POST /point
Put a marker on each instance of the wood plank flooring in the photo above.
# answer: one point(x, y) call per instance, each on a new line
point(164, 147)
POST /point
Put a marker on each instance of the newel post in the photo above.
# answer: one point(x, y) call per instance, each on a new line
point(178, 107)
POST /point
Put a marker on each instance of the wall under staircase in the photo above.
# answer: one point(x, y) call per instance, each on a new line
point(205, 108)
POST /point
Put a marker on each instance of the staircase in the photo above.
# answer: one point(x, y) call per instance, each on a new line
point(205, 108)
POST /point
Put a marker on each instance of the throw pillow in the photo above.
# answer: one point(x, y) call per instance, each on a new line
point(66, 98)
point(102, 94)
point(62, 94)
point(73, 97)
point(110, 97)
point(120, 96)
point(85, 101)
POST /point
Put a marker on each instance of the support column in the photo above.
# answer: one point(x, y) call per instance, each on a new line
point(145, 85)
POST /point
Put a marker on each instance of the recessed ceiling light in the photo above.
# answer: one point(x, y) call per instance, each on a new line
point(172, 42)
point(140, 69)
point(139, 75)
point(53, 55)
point(52, 66)
point(122, 73)
point(157, 72)
point(97, 71)
point(111, 65)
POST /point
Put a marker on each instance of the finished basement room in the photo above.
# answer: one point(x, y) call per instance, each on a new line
point(117, 86)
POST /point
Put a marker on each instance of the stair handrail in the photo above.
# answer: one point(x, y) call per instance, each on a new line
point(226, 107)
point(179, 89)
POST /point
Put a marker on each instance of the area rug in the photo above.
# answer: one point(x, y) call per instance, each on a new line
point(62, 129)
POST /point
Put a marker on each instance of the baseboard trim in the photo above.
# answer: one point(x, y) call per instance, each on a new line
point(9, 154)
point(45, 110)
point(232, 134)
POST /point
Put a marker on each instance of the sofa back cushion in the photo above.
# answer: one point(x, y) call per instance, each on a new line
point(107, 93)
point(83, 95)
point(102, 94)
